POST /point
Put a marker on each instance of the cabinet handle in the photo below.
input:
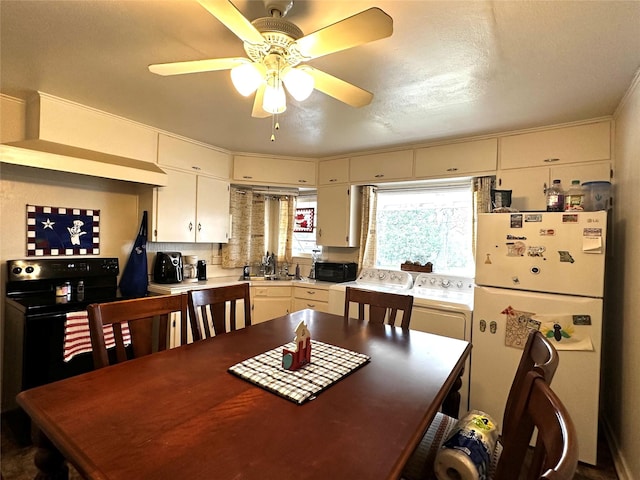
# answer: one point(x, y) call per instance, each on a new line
point(379, 175)
point(311, 292)
point(190, 226)
point(199, 226)
point(311, 305)
point(551, 160)
point(452, 169)
point(302, 181)
point(320, 232)
point(544, 188)
point(196, 168)
point(333, 179)
point(248, 177)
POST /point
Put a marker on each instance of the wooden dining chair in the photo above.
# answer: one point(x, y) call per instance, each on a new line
point(208, 309)
point(555, 453)
point(539, 356)
point(382, 308)
point(148, 320)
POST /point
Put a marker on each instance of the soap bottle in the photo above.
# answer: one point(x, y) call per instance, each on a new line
point(555, 197)
point(574, 197)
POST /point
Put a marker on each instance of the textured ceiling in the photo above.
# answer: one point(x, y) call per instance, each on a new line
point(450, 69)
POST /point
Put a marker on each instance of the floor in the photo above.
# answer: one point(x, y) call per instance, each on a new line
point(16, 462)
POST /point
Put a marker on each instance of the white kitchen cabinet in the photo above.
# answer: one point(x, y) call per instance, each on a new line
point(528, 185)
point(331, 172)
point(195, 157)
point(212, 210)
point(191, 208)
point(274, 171)
point(269, 302)
point(313, 297)
point(477, 157)
point(338, 222)
point(581, 143)
point(381, 167)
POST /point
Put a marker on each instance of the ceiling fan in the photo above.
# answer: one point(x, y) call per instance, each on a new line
point(277, 50)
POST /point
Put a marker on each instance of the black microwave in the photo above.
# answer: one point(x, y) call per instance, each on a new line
point(336, 271)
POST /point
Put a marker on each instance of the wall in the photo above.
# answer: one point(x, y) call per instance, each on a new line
point(621, 381)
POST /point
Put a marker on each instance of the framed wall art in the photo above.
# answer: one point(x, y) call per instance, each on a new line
point(62, 231)
point(304, 220)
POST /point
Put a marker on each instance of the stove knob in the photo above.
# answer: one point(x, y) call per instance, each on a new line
point(445, 283)
point(459, 284)
point(29, 269)
point(432, 281)
point(382, 275)
point(16, 270)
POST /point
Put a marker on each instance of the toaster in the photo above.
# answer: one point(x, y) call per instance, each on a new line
point(168, 267)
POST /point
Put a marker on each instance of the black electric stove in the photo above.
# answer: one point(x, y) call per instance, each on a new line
point(39, 294)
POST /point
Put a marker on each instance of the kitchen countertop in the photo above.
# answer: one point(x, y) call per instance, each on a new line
point(173, 288)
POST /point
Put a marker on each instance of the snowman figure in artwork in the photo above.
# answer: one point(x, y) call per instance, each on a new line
point(294, 359)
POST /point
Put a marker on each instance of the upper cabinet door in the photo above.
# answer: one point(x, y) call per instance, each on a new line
point(381, 167)
point(333, 171)
point(479, 156)
point(179, 153)
point(274, 171)
point(212, 214)
point(582, 143)
point(175, 210)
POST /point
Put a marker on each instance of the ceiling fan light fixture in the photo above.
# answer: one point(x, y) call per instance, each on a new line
point(246, 78)
point(298, 82)
point(275, 100)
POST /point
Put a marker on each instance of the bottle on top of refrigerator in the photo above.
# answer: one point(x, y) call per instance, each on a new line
point(574, 197)
point(555, 197)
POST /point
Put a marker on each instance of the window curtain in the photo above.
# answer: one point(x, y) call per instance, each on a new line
point(247, 240)
point(287, 211)
point(481, 202)
point(368, 236)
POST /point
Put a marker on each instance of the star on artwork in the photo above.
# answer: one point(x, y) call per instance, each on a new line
point(48, 224)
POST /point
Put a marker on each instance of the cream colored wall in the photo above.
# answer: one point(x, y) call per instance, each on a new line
point(19, 186)
point(621, 381)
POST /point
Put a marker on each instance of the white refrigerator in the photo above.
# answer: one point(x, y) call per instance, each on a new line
point(545, 271)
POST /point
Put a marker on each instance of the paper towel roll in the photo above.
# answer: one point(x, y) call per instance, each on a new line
point(466, 453)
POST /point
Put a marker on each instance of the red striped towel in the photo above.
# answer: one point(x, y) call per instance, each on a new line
point(77, 338)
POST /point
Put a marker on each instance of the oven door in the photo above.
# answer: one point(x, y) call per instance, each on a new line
point(43, 352)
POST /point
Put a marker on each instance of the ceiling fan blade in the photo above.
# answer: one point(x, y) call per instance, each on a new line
point(258, 111)
point(230, 16)
point(196, 66)
point(367, 26)
point(339, 89)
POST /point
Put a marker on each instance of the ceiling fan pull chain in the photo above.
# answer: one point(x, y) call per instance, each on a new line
point(273, 127)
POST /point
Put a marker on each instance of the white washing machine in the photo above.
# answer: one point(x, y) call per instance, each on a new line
point(394, 281)
point(443, 304)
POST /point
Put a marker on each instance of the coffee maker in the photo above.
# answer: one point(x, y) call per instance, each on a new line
point(190, 263)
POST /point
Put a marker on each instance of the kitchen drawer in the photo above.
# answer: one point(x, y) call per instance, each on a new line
point(302, 304)
point(309, 293)
point(268, 291)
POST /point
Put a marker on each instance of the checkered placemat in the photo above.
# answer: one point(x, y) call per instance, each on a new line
point(328, 365)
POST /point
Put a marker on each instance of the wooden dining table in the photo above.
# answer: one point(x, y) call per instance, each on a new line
point(180, 414)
